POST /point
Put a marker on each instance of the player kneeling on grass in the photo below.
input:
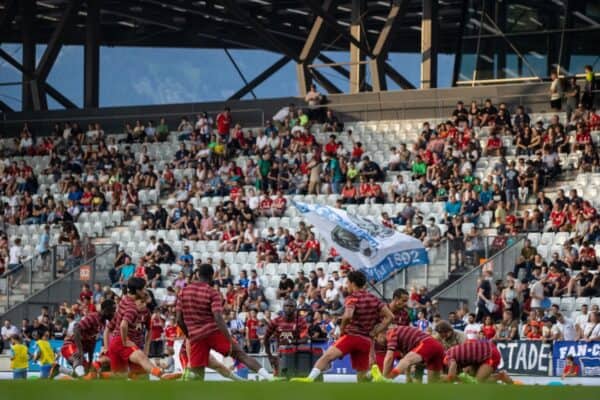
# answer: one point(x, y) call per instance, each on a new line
point(82, 343)
point(358, 327)
point(200, 317)
point(481, 358)
point(417, 347)
point(126, 327)
point(213, 363)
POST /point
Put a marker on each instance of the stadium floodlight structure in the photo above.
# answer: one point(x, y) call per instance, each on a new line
point(492, 41)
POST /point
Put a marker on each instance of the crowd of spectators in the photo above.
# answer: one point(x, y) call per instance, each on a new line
point(254, 170)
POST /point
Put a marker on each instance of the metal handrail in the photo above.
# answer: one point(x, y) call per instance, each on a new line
point(480, 266)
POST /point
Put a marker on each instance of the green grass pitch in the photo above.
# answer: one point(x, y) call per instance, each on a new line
point(102, 390)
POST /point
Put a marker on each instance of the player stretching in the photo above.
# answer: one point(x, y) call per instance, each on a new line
point(127, 328)
point(200, 316)
point(417, 347)
point(482, 358)
point(359, 325)
point(398, 307)
point(213, 364)
point(83, 342)
point(289, 330)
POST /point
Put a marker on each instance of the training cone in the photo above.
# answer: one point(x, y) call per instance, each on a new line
point(518, 382)
point(555, 383)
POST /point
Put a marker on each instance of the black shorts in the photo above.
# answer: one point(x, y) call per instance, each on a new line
point(556, 103)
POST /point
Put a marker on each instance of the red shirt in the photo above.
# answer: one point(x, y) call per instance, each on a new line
point(558, 218)
point(251, 325)
point(266, 203)
point(156, 328)
point(494, 143)
point(170, 334)
point(197, 302)
point(401, 317)
point(365, 189)
point(313, 244)
point(286, 332)
point(89, 328)
point(571, 369)
point(349, 192)
point(223, 123)
point(469, 353)
point(331, 148)
point(127, 311)
point(357, 152)
point(280, 202)
point(405, 338)
point(366, 312)
point(235, 192)
point(85, 294)
point(488, 331)
point(583, 137)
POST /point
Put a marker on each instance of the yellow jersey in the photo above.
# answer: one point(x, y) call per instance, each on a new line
point(20, 357)
point(46, 353)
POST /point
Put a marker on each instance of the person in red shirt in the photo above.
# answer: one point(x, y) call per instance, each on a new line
point(224, 123)
point(349, 193)
point(494, 146)
point(171, 332)
point(558, 217)
point(85, 292)
point(266, 206)
point(483, 357)
point(571, 367)
point(417, 347)
point(83, 342)
point(399, 307)
point(199, 313)
point(251, 334)
point(365, 316)
point(279, 205)
point(289, 330)
point(127, 330)
point(364, 190)
point(488, 330)
point(157, 328)
point(331, 146)
point(357, 152)
point(312, 249)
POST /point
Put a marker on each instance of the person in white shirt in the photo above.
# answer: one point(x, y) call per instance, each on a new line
point(15, 255)
point(537, 289)
point(565, 329)
point(556, 92)
point(583, 317)
point(591, 332)
point(331, 293)
point(8, 330)
point(322, 279)
point(338, 283)
point(152, 246)
point(262, 141)
point(398, 188)
point(472, 328)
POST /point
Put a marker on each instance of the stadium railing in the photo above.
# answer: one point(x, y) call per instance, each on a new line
point(464, 289)
point(93, 268)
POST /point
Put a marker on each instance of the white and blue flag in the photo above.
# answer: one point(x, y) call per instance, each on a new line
point(376, 250)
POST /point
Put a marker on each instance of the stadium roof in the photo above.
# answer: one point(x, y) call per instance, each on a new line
point(301, 31)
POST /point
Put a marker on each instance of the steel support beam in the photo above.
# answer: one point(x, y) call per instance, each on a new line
point(52, 51)
point(501, 47)
point(429, 44)
point(380, 51)
point(357, 55)
point(259, 29)
point(28, 53)
point(397, 77)
point(310, 49)
point(565, 47)
point(326, 83)
point(263, 76)
point(5, 108)
point(52, 92)
point(91, 66)
point(459, 43)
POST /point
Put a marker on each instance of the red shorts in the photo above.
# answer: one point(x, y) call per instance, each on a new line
point(183, 358)
point(495, 359)
point(432, 352)
point(359, 348)
point(119, 354)
point(200, 349)
point(68, 350)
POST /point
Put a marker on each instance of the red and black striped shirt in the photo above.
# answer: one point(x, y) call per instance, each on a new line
point(287, 332)
point(89, 327)
point(401, 317)
point(198, 302)
point(367, 309)
point(405, 338)
point(127, 311)
point(469, 353)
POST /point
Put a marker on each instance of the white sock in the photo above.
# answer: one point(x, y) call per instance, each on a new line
point(265, 374)
point(233, 376)
point(79, 371)
point(314, 373)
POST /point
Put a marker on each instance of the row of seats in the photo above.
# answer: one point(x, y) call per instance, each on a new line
point(571, 304)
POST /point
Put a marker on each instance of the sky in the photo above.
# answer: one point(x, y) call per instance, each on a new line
point(140, 76)
point(147, 76)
